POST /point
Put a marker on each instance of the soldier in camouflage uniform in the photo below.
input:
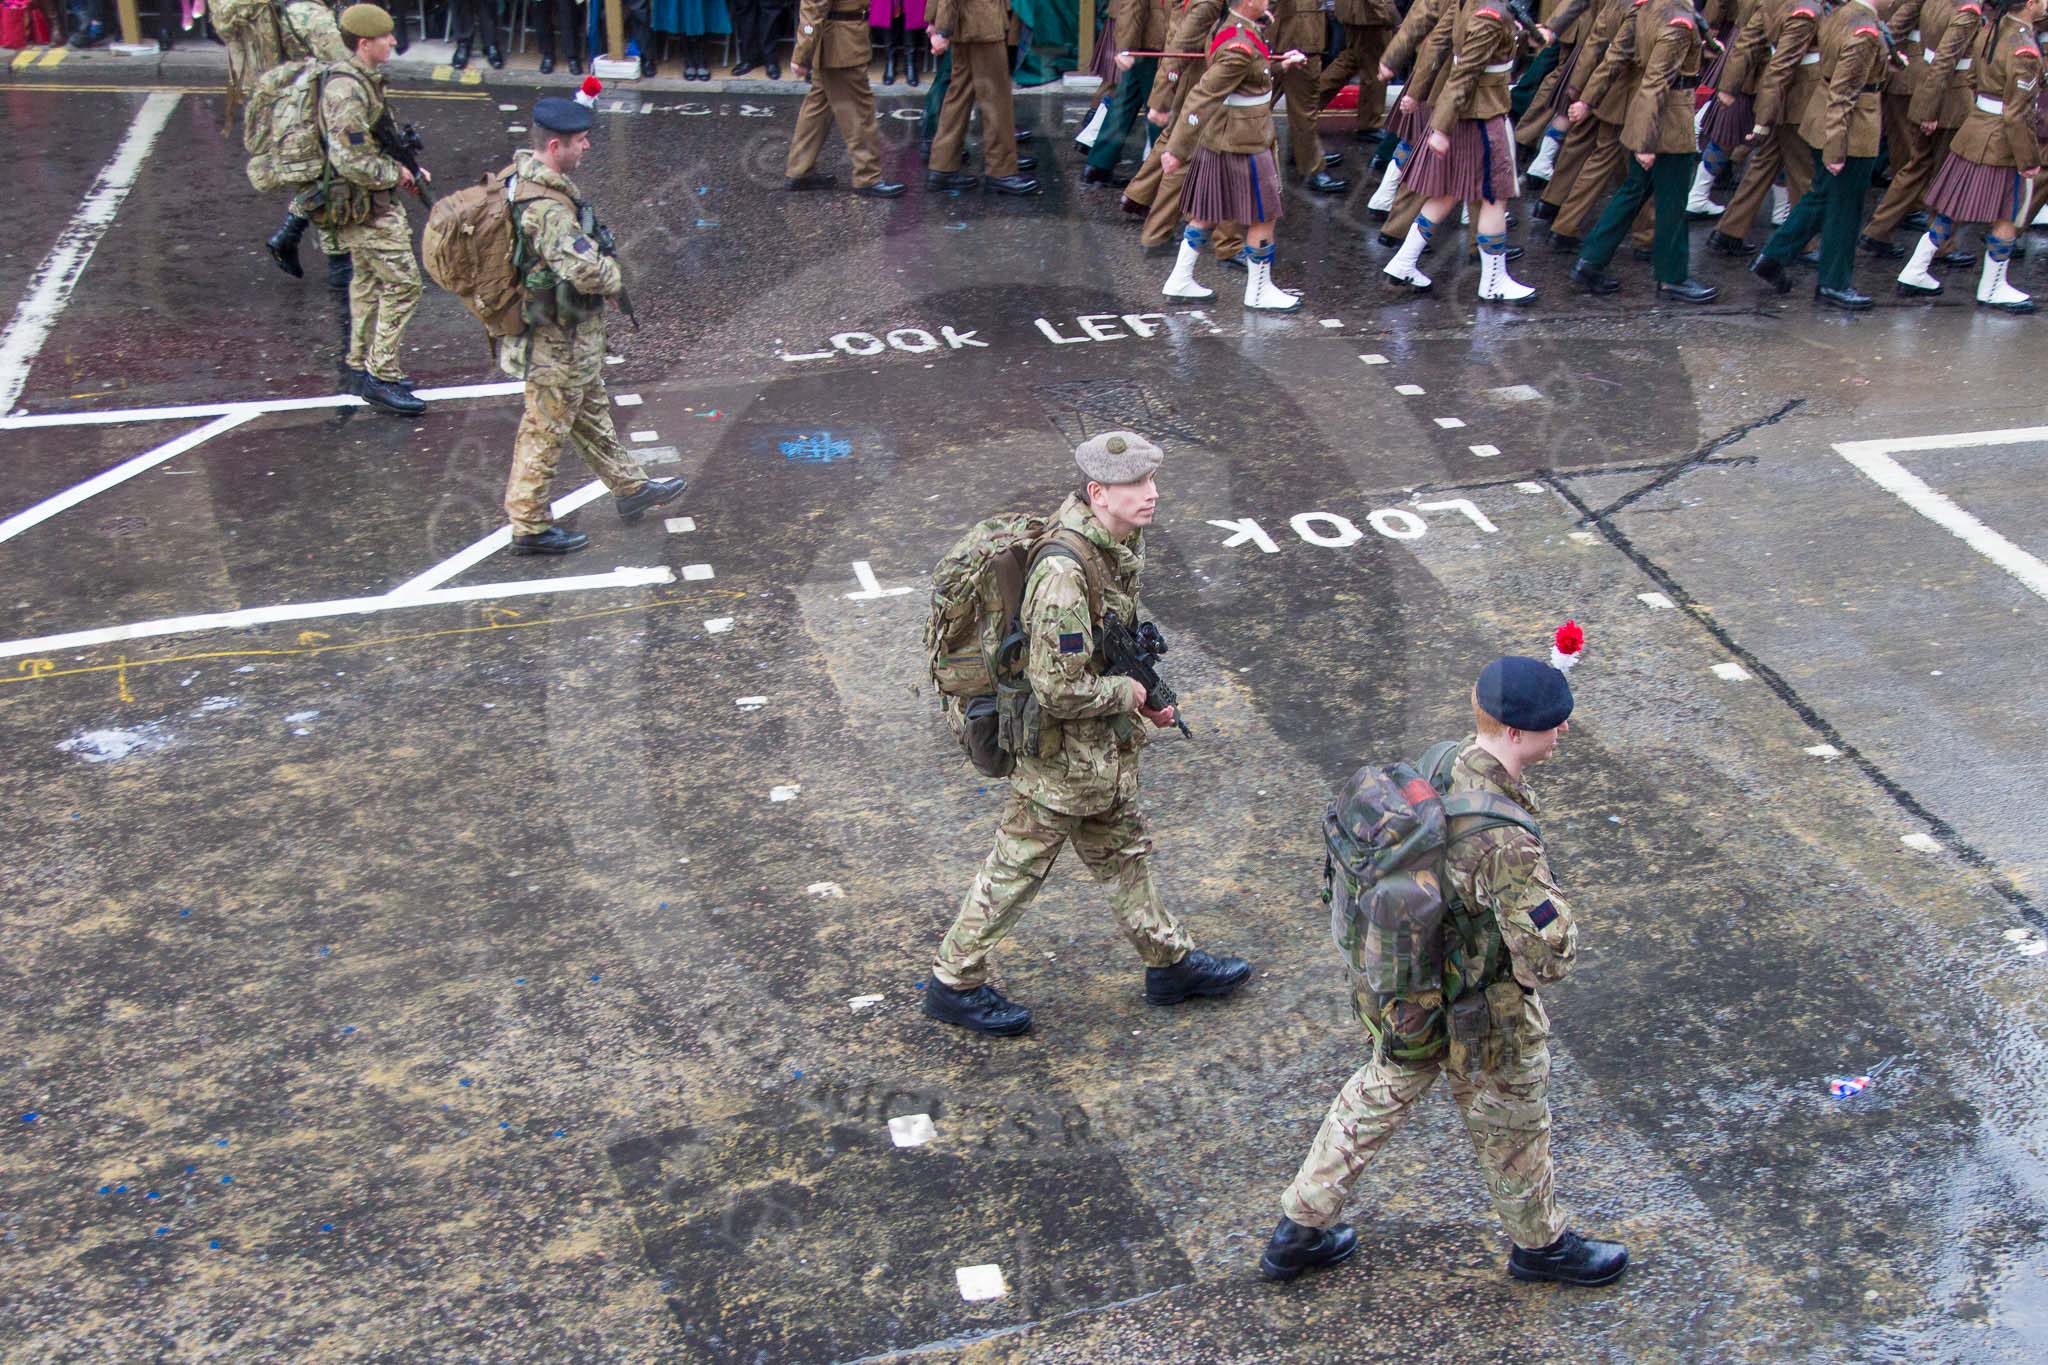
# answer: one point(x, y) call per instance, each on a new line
point(305, 28)
point(1081, 784)
point(369, 223)
point(1507, 931)
point(567, 275)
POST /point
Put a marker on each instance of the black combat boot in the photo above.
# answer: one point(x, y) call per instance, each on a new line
point(341, 271)
point(654, 493)
point(1196, 974)
point(1296, 1248)
point(1688, 290)
point(1721, 242)
point(553, 541)
point(1571, 1259)
point(1592, 279)
point(982, 1009)
point(284, 245)
point(352, 380)
point(1771, 271)
point(391, 395)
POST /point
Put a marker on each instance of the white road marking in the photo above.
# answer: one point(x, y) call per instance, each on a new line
point(120, 473)
point(256, 406)
point(1484, 452)
point(1874, 460)
point(1823, 751)
point(491, 544)
point(696, 573)
point(50, 287)
point(871, 589)
point(1657, 601)
point(788, 793)
point(1529, 486)
point(1409, 390)
point(865, 1002)
point(718, 625)
point(626, 400)
point(1731, 672)
point(677, 525)
point(1374, 359)
point(1450, 423)
point(1333, 322)
point(826, 891)
point(979, 1283)
point(1921, 843)
point(1515, 393)
point(1581, 537)
point(909, 1130)
point(750, 703)
point(645, 436)
point(345, 606)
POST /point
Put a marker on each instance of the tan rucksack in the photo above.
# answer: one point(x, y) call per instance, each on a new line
point(253, 33)
point(470, 249)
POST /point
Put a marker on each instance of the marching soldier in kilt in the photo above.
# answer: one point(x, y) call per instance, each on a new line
point(1469, 153)
point(1224, 137)
point(1943, 96)
point(1995, 157)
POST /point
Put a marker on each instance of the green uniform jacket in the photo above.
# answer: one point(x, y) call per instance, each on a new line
point(1089, 755)
point(350, 104)
point(546, 354)
point(1511, 919)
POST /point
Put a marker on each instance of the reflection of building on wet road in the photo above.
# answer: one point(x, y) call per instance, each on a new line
point(425, 950)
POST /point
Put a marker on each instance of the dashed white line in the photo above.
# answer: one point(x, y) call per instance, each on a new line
point(1484, 452)
point(1731, 672)
point(678, 525)
point(1656, 601)
point(626, 400)
point(696, 573)
point(1374, 359)
point(1450, 423)
point(1409, 390)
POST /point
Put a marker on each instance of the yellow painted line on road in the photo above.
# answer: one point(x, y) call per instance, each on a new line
point(27, 56)
point(54, 56)
point(472, 78)
point(444, 72)
point(74, 88)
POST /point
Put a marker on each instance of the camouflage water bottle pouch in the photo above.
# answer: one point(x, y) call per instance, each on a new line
point(976, 724)
point(1025, 730)
point(1502, 1048)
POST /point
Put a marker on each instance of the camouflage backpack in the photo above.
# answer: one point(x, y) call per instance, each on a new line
point(974, 640)
point(1385, 839)
point(283, 130)
point(253, 33)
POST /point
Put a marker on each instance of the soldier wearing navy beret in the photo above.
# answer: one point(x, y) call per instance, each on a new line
point(1507, 931)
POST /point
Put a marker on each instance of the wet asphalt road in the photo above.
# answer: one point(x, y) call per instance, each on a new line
point(471, 979)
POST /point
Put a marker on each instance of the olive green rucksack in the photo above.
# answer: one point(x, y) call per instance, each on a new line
point(974, 639)
point(1385, 839)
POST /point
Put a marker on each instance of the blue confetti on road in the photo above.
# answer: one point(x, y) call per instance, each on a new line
point(465, 1082)
point(503, 1124)
point(350, 1029)
point(163, 1232)
point(519, 981)
point(30, 1117)
point(956, 227)
point(327, 1227)
point(227, 1180)
point(706, 223)
point(152, 1195)
point(597, 976)
point(561, 1132)
point(222, 1143)
point(184, 914)
point(323, 952)
point(191, 1170)
point(106, 1189)
point(664, 905)
point(798, 1074)
point(214, 1244)
point(120, 1189)
point(819, 449)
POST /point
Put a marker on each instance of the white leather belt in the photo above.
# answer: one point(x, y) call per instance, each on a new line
point(1496, 68)
point(1809, 59)
point(1962, 63)
point(1990, 105)
point(1247, 101)
point(1914, 37)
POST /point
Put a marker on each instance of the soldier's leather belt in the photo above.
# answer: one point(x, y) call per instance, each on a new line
point(1990, 105)
point(845, 16)
point(1685, 82)
point(1873, 87)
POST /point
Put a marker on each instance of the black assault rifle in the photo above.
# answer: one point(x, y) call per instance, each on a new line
point(608, 245)
point(1131, 654)
point(403, 145)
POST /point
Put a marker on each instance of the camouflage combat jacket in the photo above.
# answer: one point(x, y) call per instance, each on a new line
point(308, 30)
point(1087, 759)
point(563, 253)
point(1507, 931)
point(1508, 918)
point(351, 102)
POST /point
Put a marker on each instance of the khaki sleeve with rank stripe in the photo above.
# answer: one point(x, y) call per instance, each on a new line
point(1512, 881)
point(1061, 646)
point(349, 110)
point(559, 241)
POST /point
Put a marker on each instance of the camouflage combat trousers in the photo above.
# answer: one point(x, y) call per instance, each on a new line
point(1114, 845)
point(385, 291)
point(565, 401)
point(1507, 1113)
